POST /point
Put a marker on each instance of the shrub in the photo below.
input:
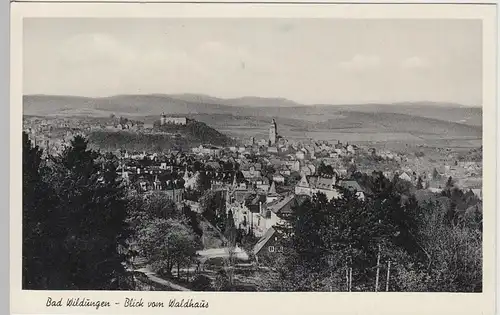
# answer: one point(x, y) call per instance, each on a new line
point(201, 283)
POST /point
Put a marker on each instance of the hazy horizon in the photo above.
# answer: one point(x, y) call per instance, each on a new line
point(424, 102)
point(307, 61)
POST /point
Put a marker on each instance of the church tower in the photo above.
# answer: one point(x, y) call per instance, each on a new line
point(163, 119)
point(273, 132)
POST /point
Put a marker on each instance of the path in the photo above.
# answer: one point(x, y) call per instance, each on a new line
point(222, 253)
point(153, 277)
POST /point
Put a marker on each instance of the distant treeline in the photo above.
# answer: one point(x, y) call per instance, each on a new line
point(109, 140)
point(196, 130)
point(179, 138)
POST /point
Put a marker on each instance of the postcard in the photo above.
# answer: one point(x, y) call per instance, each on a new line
point(221, 158)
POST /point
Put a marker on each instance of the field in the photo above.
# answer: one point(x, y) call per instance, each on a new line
point(380, 125)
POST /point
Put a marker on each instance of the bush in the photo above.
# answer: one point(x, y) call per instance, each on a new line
point(202, 283)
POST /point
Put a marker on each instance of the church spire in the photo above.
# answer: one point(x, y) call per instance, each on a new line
point(272, 189)
point(235, 183)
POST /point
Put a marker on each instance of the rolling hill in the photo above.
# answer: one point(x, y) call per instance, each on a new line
point(250, 116)
point(184, 104)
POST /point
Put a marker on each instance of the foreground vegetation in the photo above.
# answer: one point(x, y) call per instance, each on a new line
point(82, 229)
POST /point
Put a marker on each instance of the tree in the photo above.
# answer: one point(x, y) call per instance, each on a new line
point(202, 182)
point(293, 179)
point(221, 282)
point(351, 170)
point(455, 253)
point(165, 242)
point(202, 283)
point(325, 170)
point(158, 205)
point(420, 183)
point(41, 224)
point(192, 220)
point(403, 187)
point(450, 183)
point(213, 208)
point(268, 171)
point(230, 232)
point(435, 174)
point(85, 230)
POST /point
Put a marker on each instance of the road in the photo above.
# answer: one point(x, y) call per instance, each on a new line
point(153, 277)
point(206, 254)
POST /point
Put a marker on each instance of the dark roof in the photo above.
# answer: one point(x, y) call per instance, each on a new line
point(283, 205)
point(352, 185)
point(255, 199)
point(320, 182)
point(263, 240)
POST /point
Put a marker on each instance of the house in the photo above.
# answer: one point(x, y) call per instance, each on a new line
point(306, 170)
point(190, 180)
point(251, 174)
point(405, 176)
point(312, 168)
point(353, 186)
point(273, 150)
point(272, 194)
point(262, 184)
point(310, 185)
point(193, 205)
point(278, 178)
point(275, 211)
point(267, 248)
point(295, 166)
point(212, 165)
point(207, 150)
point(478, 193)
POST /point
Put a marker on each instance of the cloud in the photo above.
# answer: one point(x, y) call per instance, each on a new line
point(361, 62)
point(95, 48)
point(414, 63)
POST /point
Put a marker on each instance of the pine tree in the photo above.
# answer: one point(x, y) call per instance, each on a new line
point(41, 224)
point(92, 206)
point(230, 232)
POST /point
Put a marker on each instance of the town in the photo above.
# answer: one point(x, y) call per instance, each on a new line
point(253, 184)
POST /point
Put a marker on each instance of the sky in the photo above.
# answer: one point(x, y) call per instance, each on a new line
point(310, 61)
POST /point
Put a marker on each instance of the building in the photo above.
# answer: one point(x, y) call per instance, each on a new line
point(405, 177)
point(310, 185)
point(278, 178)
point(207, 150)
point(166, 120)
point(273, 133)
point(353, 186)
point(190, 180)
point(268, 247)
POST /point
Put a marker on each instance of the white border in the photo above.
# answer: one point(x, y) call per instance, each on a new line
point(25, 302)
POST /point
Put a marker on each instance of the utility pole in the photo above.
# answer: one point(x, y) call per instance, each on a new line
point(347, 277)
point(388, 275)
point(350, 279)
point(378, 269)
point(331, 274)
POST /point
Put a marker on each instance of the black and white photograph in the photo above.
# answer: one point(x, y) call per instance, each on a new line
point(252, 154)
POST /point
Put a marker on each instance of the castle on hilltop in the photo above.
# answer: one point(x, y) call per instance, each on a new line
point(168, 120)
